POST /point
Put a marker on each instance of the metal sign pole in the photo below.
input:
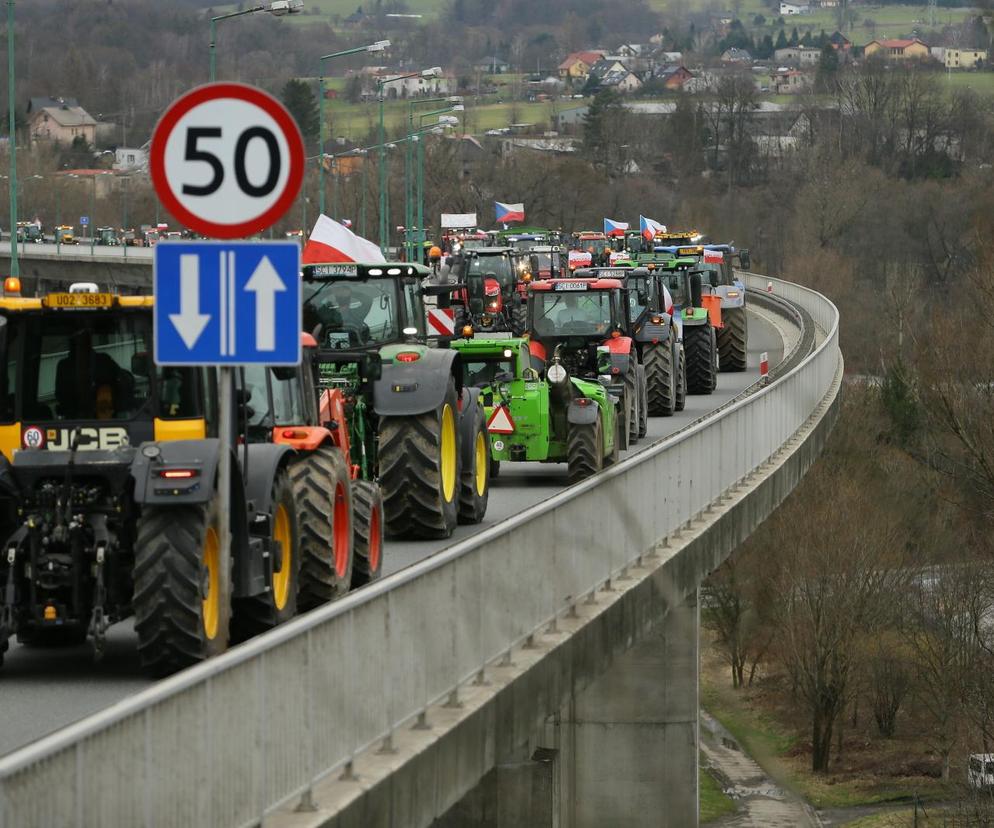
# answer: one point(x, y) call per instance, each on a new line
point(226, 434)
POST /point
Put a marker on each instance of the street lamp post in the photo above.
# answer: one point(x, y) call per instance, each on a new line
point(378, 46)
point(277, 8)
point(444, 120)
point(92, 217)
point(434, 72)
point(15, 268)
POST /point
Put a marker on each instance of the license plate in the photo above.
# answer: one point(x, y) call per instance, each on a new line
point(78, 300)
point(571, 285)
point(335, 270)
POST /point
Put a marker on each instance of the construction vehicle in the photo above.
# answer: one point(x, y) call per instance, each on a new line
point(413, 425)
point(28, 232)
point(490, 291)
point(65, 234)
point(107, 237)
point(571, 320)
point(555, 419)
point(110, 505)
point(653, 328)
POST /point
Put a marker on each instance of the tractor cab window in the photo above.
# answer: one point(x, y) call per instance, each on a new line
point(676, 282)
point(480, 373)
point(275, 397)
point(639, 295)
point(76, 366)
point(414, 308)
point(500, 266)
point(567, 313)
point(352, 313)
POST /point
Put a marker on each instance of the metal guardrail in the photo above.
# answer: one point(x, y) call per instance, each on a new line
point(230, 740)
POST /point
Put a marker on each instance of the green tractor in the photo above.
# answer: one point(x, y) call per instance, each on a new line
point(556, 419)
point(699, 319)
point(413, 424)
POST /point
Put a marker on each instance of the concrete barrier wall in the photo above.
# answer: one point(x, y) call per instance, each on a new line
point(233, 739)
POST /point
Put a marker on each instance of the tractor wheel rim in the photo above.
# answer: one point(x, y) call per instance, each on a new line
point(448, 449)
point(481, 464)
point(374, 541)
point(210, 605)
point(341, 532)
point(281, 576)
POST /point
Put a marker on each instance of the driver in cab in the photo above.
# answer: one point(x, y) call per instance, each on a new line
point(345, 311)
point(580, 310)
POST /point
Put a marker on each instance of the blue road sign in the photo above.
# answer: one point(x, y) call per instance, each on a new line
point(84, 220)
point(227, 303)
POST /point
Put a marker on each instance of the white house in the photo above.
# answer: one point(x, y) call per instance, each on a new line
point(794, 8)
point(128, 158)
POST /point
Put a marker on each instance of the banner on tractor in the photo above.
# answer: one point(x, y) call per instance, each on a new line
point(579, 258)
point(713, 257)
point(614, 228)
point(333, 242)
point(455, 221)
point(509, 212)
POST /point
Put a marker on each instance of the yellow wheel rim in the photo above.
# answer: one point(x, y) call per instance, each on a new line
point(281, 576)
point(448, 453)
point(481, 464)
point(210, 607)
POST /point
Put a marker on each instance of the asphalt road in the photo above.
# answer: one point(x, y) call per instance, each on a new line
point(42, 690)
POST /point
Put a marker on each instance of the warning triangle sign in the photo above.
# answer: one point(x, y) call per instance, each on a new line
point(500, 421)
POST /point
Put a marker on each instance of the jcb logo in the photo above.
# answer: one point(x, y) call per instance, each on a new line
point(86, 439)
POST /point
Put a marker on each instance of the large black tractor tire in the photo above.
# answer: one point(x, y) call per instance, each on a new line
point(660, 379)
point(643, 402)
point(584, 451)
point(700, 347)
point(322, 491)
point(612, 457)
point(182, 597)
point(419, 470)
point(367, 510)
point(681, 379)
point(474, 484)
point(278, 604)
point(733, 339)
point(519, 317)
point(632, 394)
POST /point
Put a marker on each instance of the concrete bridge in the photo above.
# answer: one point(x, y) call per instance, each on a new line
point(540, 672)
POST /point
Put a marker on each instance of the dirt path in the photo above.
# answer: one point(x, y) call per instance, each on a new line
point(762, 803)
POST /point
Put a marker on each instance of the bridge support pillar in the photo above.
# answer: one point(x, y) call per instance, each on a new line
point(628, 742)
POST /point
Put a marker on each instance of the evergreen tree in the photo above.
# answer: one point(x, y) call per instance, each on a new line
point(806, 40)
point(794, 37)
point(828, 68)
point(601, 124)
point(781, 41)
point(764, 50)
point(299, 98)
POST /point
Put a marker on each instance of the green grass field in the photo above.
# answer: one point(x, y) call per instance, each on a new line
point(713, 800)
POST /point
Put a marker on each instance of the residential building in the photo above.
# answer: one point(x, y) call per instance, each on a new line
point(670, 57)
point(418, 86)
point(128, 159)
point(674, 77)
point(736, 55)
point(492, 65)
point(790, 81)
point(802, 56)
point(577, 65)
point(62, 123)
point(787, 9)
point(964, 58)
point(631, 50)
point(897, 49)
point(840, 42)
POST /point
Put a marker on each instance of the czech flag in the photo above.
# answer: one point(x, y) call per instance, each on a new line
point(649, 228)
point(509, 212)
point(614, 228)
point(333, 242)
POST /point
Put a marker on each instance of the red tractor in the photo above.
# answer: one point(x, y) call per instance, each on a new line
point(584, 322)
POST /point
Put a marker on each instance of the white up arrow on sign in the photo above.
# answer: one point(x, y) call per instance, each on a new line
point(189, 322)
point(265, 284)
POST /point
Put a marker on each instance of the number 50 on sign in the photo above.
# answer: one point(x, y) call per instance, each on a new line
point(227, 160)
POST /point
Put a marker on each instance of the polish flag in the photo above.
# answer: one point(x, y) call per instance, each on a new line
point(713, 257)
point(333, 242)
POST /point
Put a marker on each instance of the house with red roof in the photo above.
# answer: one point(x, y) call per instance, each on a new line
point(577, 65)
point(897, 49)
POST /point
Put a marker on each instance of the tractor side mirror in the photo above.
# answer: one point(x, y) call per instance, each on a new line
point(695, 289)
point(141, 365)
point(713, 278)
point(503, 376)
point(745, 262)
point(533, 263)
point(284, 373)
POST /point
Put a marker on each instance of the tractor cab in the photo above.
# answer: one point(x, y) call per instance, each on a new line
point(107, 237)
point(490, 290)
point(363, 306)
point(65, 234)
point(28, 231)
point(79, 373)
point(545, 262)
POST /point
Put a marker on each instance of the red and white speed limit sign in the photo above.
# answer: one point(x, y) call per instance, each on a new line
point(227, 160)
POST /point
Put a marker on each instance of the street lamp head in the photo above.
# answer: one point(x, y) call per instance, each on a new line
point(278, 8)
point(459, 108)
point(454, 99)
point(379, 46)
point(434, 72)
point(447, 120)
